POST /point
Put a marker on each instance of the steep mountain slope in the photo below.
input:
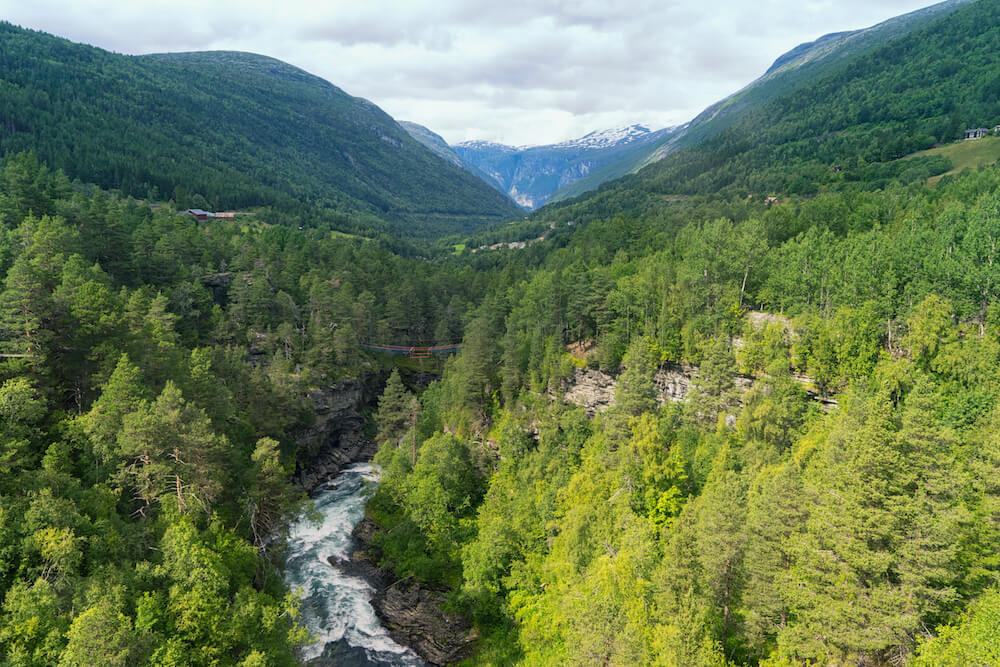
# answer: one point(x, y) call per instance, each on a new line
point(436, 143)
point(851, 126)
point(791, 71)
point(235, 129)
point(433, 141)
point(530, 174)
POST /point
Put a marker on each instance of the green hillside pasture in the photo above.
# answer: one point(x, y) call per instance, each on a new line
point(967, 154)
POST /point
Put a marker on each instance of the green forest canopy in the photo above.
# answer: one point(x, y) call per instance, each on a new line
point(149, 436)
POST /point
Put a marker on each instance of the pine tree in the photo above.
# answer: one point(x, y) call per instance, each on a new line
point(271, 501)
point(721, 540)
point(123, 393)
point(395, 411)
point(171, 454)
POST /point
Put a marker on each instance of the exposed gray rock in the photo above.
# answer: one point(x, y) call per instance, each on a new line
point(414, 615)
point(592, 390)
point(759, 319)
point(336, 437)
point(219, 284)
point(673, 381)
point(412, 611)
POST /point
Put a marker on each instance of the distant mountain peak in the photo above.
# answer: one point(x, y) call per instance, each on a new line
point(606, 138)
point(530, 174)
point(480, 144)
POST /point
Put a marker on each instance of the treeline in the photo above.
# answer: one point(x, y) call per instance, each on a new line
point(732, 528)
point(155, 376)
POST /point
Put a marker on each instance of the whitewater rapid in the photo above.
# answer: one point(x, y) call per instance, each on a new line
point(336, 606)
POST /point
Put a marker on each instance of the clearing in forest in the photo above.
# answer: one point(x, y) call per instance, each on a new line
point(970, 154)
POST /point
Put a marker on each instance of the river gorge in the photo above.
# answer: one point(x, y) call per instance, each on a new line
point(336, 603)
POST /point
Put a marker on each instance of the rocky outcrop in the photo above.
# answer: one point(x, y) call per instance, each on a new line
point(336, 437)
point(414, 615)
point(592, 390)
point(673, 381)
point(412, 611)
point(219, 284)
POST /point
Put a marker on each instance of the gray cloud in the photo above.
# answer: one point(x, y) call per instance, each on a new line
point(519, 71)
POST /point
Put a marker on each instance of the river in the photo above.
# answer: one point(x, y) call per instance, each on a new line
point(336, 606)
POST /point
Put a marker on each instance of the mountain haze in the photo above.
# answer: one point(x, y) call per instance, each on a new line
point(433, 141)
point(437, 145)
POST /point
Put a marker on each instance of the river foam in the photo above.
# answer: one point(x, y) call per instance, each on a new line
point(336, 606)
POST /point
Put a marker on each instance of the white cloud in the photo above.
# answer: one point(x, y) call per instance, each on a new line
point(520, 71)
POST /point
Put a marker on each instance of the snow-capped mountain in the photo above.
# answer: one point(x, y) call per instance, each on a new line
point(476, 144)
point(530, 174)
point(607, 138)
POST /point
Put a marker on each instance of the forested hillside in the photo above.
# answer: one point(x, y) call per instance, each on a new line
point(822, 491)
point(734, 526)
point(749, 523)
point(794, 70)
point(224, 130)
point(849, 128)
point(155, 377)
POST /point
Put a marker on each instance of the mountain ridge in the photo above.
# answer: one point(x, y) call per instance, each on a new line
point(234, 129)
point(791, 70)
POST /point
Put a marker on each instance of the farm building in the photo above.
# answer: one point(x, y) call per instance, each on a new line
point(198, 214)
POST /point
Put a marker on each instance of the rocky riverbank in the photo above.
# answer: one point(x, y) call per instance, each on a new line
point(411, 611)
point(336, 437)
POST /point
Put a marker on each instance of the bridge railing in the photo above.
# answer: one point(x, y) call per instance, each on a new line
point(412, 351)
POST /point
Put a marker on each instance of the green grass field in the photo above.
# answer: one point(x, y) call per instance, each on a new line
point(965, 155)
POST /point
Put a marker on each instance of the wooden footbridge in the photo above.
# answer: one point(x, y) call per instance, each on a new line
point(412, 351)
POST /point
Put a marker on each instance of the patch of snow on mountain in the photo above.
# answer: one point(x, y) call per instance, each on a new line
point(483, 145)
point(607, 138)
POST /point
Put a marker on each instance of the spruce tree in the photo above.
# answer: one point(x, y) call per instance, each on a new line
point(849, 607)
point(713, 392)
point(928, 555)
point(775, 513)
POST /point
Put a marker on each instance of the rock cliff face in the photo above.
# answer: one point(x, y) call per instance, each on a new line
point(594, 390)
point(336, 438)
point(591, 389)
point(673, 381)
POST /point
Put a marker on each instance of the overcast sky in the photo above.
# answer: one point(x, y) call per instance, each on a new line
point(515, 71)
